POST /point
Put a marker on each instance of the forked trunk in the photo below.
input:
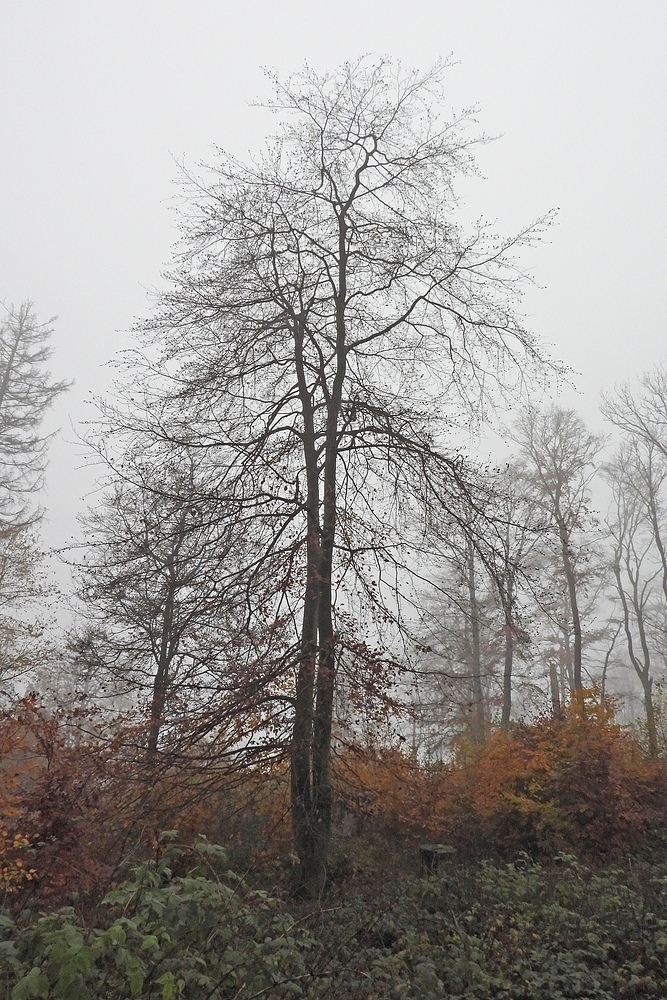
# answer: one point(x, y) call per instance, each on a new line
point(311, 750)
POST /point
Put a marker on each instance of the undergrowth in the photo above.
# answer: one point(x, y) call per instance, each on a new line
point(183, 925)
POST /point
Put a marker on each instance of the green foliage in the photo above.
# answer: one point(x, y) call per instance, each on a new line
point(183, 926)
point(515, 931)
point(199, 934)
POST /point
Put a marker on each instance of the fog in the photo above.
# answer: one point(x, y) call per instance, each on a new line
point(100, 102)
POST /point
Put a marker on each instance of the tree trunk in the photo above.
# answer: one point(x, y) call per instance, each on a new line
point(651, 728)
point(312, 812)
point(555, 689)
point(478, 717)
point(642, 666)
point(321, 805)
point(574, 604)
point(507, 676)
point(301, 785)
point(161, 680)
point(302, 731)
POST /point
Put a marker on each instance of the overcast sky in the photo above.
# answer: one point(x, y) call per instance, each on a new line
point(97, 99)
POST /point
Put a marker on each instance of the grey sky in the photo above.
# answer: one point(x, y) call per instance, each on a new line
point(95, 98)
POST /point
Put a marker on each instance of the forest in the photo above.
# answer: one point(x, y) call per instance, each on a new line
point(334, 707)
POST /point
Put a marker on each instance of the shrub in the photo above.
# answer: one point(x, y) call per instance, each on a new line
point(201, 934)
point(578, 784)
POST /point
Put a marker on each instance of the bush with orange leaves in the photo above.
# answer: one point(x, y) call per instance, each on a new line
point(384, 788)
point(77, 801)
point(16, 826)
point(55, 803)
point(79, 804)
point(577, 784)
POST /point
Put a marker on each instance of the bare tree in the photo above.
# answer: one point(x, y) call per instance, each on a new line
point(559, 455)
point(475, 627)
point(164, 614)
point(507, 551)
point(642, 414)
point(638, 476)
point(635, 478)
point(26, 393)
point(643, 420)
point(325, 314)
point(23, 591)
point(457, 651)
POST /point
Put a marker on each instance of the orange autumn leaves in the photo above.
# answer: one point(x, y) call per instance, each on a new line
point(71, 806)
point(577, 784)
point(16, 776)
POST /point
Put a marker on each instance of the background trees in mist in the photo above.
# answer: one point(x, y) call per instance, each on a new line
point(27, 391)
point(637, 475)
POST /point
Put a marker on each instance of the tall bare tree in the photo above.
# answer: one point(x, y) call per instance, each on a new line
point(559, 455)
point(474, 629)
point(508, 551)
point(457, 650)
point(642, 413)
point(326, 318)
point(642, 417)
point(26, 393)
point(636, 523)
point(163, 611)
point(638, 476)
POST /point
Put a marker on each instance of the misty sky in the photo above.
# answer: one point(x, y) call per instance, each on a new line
point(99, 99)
